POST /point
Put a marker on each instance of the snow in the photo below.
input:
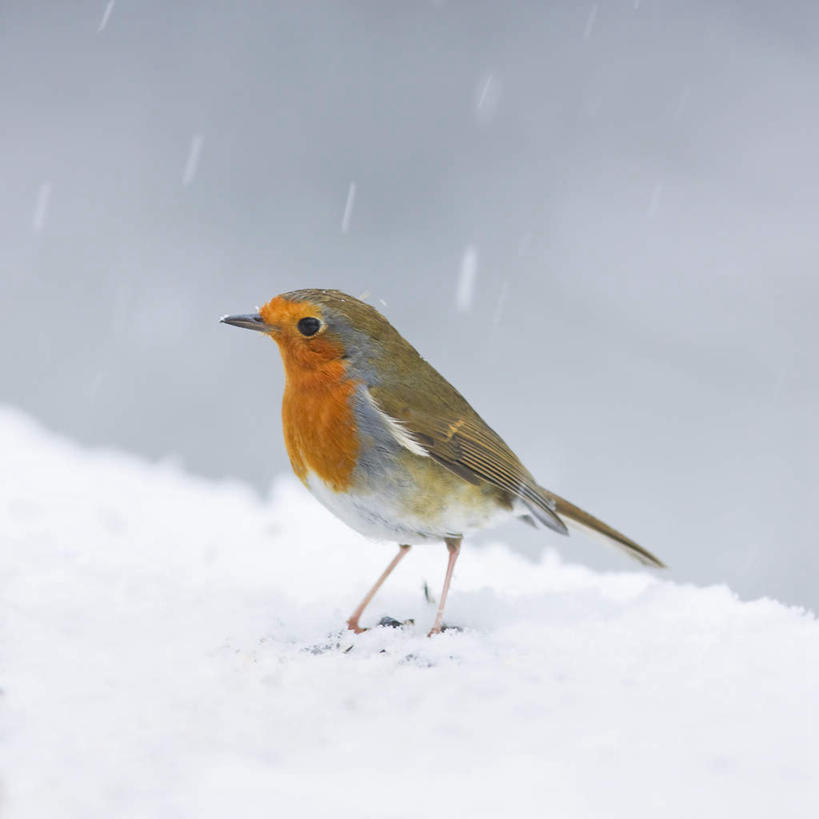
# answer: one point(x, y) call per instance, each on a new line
point(487, 98)
point(41, 207)
point(348, 208)
point(192, 162)
point(654, 202)
point(109, 7)
point(501, 303)
point(590, 21)
point(466, 279)
point(171, 647)
point(682, 102)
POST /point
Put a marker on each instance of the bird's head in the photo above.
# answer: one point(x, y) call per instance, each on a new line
point(314, 328)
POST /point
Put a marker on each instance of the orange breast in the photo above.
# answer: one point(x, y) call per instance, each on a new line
point(319, 424)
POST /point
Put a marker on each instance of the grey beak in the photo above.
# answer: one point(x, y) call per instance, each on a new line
point(250, 321)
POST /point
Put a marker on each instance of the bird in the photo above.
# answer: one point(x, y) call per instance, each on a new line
point(389, 446)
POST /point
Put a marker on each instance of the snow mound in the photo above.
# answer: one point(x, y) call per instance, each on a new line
point(172, 647)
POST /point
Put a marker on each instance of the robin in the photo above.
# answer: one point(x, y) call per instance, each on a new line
point(388, 445)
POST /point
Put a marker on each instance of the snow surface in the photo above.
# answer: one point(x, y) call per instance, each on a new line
point(171, 647)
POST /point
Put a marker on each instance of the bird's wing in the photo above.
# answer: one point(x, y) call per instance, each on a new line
point(439, 422)
point(453, 434)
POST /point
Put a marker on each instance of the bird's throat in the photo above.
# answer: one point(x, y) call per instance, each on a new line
point(319, 425)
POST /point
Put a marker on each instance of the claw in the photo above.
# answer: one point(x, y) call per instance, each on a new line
point(443, 627)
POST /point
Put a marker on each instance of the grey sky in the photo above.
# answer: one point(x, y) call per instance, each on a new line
point(638, 188)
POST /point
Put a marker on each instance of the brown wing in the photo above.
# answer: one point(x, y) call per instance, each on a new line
point(464, 444)
point(454, 435)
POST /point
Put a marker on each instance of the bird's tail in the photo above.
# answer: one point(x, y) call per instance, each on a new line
point(576, 518)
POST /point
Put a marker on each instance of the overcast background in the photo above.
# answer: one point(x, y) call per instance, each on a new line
point(634, 185)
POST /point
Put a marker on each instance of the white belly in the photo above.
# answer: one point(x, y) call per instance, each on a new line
point(381, 515)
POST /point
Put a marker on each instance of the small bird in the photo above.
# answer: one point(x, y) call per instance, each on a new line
point(388, 445)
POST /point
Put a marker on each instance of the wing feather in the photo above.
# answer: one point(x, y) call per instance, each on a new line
point(466, 446)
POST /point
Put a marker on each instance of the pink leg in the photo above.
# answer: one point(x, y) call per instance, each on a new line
point(454, 546)
point(352, 623)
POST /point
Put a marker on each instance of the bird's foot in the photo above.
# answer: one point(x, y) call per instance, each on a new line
point(387, 621)
point(443, 627)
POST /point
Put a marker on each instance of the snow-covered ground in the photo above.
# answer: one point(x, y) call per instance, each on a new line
point(171, 647)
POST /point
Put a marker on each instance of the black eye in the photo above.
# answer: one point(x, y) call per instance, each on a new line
point(309, 326)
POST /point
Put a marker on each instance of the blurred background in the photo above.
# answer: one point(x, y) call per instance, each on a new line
point(598, 220)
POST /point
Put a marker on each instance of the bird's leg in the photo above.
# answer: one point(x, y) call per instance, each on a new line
point(352, 623)
point(453, 544)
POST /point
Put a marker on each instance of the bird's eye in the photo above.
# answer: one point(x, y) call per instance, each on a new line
point(309, 326)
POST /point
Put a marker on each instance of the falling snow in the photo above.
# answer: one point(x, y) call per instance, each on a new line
point(105, 15)
point(348, 208)
point(590, 20)
point(504, 292)
point(192, 163)
point(487, 97)
point(466, 279)
point(41, 207)
point(682, 101)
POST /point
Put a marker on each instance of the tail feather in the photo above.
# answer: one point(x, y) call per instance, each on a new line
point(578, 519)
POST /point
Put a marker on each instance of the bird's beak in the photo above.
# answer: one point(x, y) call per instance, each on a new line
point(250, 321)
